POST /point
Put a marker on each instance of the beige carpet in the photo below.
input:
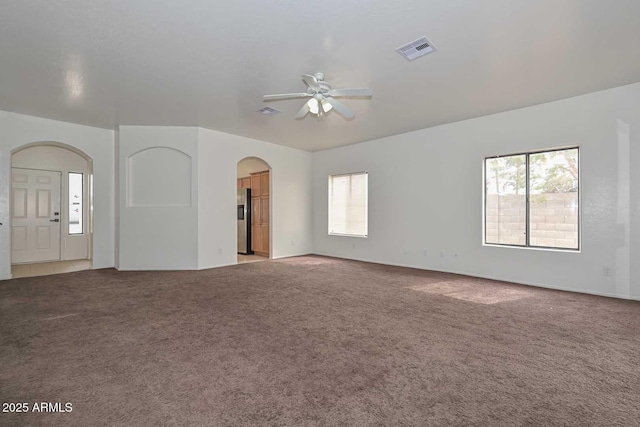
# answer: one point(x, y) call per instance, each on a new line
point(314, 341)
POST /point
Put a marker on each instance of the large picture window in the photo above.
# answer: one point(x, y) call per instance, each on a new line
point(533, 199)
point(348, 204)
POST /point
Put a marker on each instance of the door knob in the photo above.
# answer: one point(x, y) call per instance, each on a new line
point(54, 220)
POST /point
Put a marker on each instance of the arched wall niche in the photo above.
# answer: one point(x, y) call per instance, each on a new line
point(159, 177)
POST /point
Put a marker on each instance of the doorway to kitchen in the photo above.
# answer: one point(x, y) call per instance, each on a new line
point(253, 210)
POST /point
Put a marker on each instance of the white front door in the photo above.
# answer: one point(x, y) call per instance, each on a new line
point(35, 215)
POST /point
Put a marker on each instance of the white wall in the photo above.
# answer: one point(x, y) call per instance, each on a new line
point(158, 221)
point(409, 175)
point(17, 130)
point(218, 157)
point(172, 235)
point(425, 194)
point(116, 172)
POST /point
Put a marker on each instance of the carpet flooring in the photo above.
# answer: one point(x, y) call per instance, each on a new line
point(314, 341)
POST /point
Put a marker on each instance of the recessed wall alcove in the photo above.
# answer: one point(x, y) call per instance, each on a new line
point(159, 176)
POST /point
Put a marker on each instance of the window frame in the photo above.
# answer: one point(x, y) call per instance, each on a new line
point(329, 194)
point(527, 244)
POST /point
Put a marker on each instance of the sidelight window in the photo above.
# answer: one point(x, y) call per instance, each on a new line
point(76, 201)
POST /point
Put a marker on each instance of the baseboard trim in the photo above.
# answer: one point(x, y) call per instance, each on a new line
point(295, 255)
point(501, 279)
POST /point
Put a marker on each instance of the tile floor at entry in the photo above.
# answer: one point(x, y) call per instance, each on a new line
point(47, 268)
point(242, 259)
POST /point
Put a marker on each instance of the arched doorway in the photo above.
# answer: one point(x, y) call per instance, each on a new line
point(254, 210)
point(50, 206)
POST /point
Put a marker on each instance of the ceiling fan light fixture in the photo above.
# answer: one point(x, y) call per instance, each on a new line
point(313, 106)
point(322, 98)
point(326, 106)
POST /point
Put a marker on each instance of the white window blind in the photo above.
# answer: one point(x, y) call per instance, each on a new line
point(348, 204)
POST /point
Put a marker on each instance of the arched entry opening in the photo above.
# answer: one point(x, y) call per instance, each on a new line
point(254, 210)
point(50, 207)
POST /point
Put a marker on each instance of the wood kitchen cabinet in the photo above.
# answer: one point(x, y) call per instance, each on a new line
point(264, 238)
point(255, 185)
point(264, 210)
point(256, 217)
point(264, 183)
point(260, 186)
point(256, 238)
point(244, 183)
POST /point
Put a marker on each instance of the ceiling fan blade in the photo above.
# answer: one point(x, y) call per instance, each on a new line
point(341, 108)
point(303, 112)
point(285, 96)
point(310, 81)
point(351, 92)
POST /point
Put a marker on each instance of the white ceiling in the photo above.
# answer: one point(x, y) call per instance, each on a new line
point(208, 63)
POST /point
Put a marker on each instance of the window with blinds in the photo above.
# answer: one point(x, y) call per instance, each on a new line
point(348, 204)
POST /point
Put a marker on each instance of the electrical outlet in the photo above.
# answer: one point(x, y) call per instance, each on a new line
point(292, 243)
point(441, 254)
point(424, 253)
point(404, 252)
point(353, 245)
point(219, 250)
point(606, 270)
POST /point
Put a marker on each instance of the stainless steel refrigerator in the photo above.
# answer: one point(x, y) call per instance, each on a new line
point(244, 221)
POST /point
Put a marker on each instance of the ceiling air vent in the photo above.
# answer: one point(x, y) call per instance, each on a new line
point(268, 111)
point(416, 49)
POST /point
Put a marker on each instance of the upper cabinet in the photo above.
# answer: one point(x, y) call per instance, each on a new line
point(260, 184)
point(264, 183)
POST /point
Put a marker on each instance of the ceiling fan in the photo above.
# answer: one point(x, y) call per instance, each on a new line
point(322, 97)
